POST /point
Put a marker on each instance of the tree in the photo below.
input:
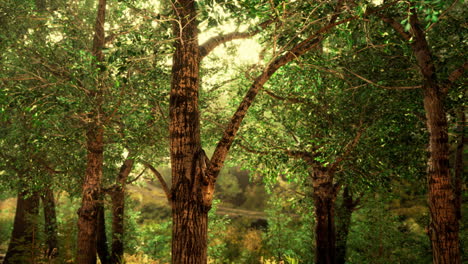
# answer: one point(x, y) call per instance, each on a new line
point(91, 192)
point(193, 173)
point(443, 229)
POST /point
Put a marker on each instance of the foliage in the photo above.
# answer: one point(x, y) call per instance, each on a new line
point(378, 235)
point(290, 234)
point(217, 226)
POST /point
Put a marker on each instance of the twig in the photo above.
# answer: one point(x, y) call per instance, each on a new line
point(382, 86)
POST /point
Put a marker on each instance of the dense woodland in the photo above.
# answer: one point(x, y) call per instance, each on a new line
point(212, 131)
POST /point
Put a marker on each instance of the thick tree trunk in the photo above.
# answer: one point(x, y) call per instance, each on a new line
point(50, 218)
point(191, 192)
point(23, 238)
point(189, 232)
point(444, 226)
point(101, 240)
point(118, 210)
point(343, 223)
point(324, 196)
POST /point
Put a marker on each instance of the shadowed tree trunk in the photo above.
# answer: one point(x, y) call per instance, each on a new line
point(101, 240)
point(91, 190)
point(118, 211)
point(343, 223)
point(50, 218)
point(324, 196)
point(23, 237)
point(458, 180)
point(324, 192)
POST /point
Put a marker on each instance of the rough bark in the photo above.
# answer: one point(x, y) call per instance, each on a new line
point(91, 189)
point(50, 219)
point(23, 237)
point(118, 212)
point(324, 196)
point(191, 199)
point(343, 223)
point(443, 229)
point(88, 213)
point(101, 240)
point(444, 226)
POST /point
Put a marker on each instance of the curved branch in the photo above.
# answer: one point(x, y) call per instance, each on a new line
point(161, 180)
point(214, 42)
point(222, 149)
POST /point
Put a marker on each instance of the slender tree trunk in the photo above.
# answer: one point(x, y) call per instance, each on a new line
point(458, 180)
point(23, 238)
point(101, 240)
point(91, 190)
point(88, 213)
point(444, 226)
point(118, 207)
point(343, 223)
point(118, 212)
point(324, 196)
point(50, 218)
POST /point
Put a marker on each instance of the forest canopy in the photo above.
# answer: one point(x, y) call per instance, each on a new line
point(210, 131)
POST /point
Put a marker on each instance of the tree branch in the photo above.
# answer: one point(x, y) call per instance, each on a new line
point(214, 42)
point(161, 180)
point(230, 132)
point(441, 16)
point(137, 177)
point(397, 26)
point(294, 100)
point(381, 86)
point(348, 148)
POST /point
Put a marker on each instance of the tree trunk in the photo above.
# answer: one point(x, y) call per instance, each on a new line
point(458, 180)
point(343, 223)
point(118, 212)
point(50, 218)
point(324, 196)
point(444, 227)
point(118, 206)
point(23, 238)
point(101, 240)
point(190, 197)
point(189, 231)
point(88, 213)
point(91, 190)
